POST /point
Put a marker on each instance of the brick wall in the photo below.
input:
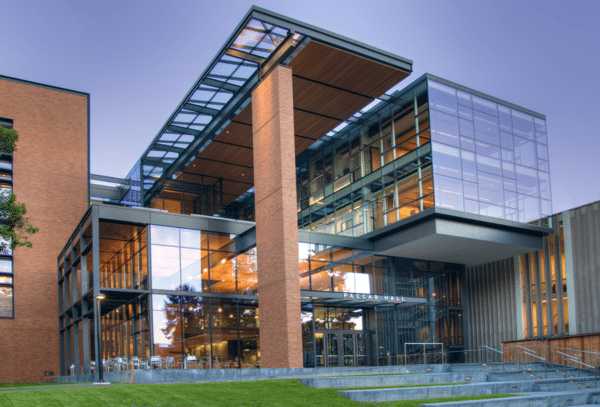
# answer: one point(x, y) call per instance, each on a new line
point(50, 175)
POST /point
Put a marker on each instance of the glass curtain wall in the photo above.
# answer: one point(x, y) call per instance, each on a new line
point(221, 333)
point(123, 257)
point(488, 158)
point(369, 175)
point(338, 269)
point(125, 331)
point(195, 261)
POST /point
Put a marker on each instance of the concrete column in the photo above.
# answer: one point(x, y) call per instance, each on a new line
point(276, 221)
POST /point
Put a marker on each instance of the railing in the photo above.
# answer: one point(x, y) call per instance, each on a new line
point(417, 355)
point(583, 355)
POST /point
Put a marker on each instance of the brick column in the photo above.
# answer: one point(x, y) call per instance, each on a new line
point(276, 221)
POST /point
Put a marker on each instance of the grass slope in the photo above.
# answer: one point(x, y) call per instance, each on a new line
point(271, 393)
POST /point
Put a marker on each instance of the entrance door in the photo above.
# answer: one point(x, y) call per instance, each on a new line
point(340, 348)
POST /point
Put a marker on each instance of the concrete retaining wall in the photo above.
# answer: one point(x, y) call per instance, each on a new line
point(554, 400)
point(384, 381)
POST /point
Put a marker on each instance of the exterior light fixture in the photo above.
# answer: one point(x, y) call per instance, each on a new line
point(99, 297)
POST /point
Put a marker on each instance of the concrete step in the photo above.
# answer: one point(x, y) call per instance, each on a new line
point(395, 380)
point(535, 375)
point(562, 399)
point(491, 367)
point(475, 389)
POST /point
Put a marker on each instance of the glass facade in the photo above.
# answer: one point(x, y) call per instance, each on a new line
point(195, 261)
point(432, 144)
point(488, 158)
point(220, 332)
point(337, 269)
point(371, 174)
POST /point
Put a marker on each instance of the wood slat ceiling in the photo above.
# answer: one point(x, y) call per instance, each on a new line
point(329, 86)
point(344, 70)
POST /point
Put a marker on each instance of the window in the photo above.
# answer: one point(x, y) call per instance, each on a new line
point(6, 260)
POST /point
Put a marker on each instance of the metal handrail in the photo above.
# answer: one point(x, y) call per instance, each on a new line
point(537, 357)
point(424, 350)
point(522, 347)
point(581, 363)
point(492, 349)
point(575, 350)
point(495, 350)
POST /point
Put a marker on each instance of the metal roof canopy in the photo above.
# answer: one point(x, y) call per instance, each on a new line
point(260, 42)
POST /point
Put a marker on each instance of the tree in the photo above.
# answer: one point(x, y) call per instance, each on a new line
point(14, 226)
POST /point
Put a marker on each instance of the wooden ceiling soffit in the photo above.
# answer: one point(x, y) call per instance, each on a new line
point(236, 133)
point(245, 116)
point(218, 169)
point(326, 100)
point(236, 188)
point(228, 153)
point(344, 70)
point(302, 144)
point(312, 126)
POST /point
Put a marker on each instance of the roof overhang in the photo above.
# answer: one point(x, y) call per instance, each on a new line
point(209, 133)
point(444, 235)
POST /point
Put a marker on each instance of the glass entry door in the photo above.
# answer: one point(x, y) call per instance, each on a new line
point(340, 348)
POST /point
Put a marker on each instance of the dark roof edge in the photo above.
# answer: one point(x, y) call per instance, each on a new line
point(443, 213)
point(261, 11)
point(483, 95)
point(42, 85)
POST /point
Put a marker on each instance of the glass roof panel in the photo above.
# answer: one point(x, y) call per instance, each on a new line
point(255, 23)
point(186, 138)
point(223, 69)
point(222, 97)
point(184, 117)
point(249, 38)
point(156, 154)
point(169, 137)
point(280, 32)
point(245, 71)
point(203, 119)
point(202, 95)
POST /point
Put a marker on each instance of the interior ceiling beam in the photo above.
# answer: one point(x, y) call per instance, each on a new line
point(319, 114)
point(224, 162)
point(200, 109)
point(212, 176)
point(156, 162)
point(279, 55)
point(180, 129)
point(232, 144)
point(332, 86)
point(246, 56)
point(222, 85)
point(165, 147)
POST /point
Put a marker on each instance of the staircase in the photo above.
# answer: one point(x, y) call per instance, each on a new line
point(535, 384)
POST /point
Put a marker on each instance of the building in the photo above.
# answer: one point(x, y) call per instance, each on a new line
point(49, 173)
point(301, 208)
point(292, 184)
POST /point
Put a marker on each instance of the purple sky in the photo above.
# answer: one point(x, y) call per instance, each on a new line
point(137, 59)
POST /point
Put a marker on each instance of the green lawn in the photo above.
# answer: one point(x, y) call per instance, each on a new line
point(284, 393)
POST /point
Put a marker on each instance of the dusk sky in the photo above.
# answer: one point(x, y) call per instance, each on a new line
point(138, 59)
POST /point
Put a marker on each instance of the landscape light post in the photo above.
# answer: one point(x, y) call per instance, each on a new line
point(99, 360)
